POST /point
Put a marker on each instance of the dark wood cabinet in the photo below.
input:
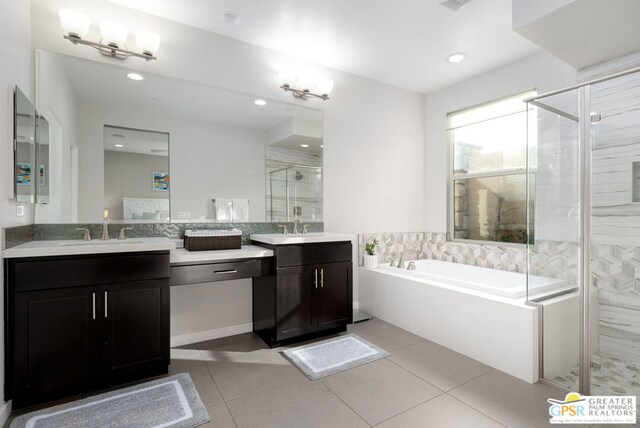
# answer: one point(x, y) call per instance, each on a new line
point(68, 336)
point(303, 300)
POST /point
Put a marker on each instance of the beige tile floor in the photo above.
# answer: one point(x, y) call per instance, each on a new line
point(243, 383)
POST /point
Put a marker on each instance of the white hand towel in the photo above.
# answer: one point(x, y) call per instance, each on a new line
point(240, 210)
point(223, 208)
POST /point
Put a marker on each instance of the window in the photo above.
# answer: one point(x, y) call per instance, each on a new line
point(487, 172)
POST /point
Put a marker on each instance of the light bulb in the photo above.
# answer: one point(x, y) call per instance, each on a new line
point(113, 34)
point(147, 42)
point(325, 86)
point(75, 24)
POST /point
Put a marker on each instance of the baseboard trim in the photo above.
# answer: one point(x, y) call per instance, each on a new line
point(216, 333)
point(5, 413)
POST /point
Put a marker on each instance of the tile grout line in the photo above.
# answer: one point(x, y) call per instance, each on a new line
point(416, 376)
point(477, 410)
point(216, 385)
point(343, 402)
point(411, 408)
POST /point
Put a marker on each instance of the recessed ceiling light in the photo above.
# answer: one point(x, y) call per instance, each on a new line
point(322, 146)
point(304, 145)
point(456, 57)
point(119, 145)
point(230, 17)
point(135, 76)
point(260, 102)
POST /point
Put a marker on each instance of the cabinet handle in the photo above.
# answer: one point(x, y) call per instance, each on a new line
point(322, 278)
point(220, 272)
point(93, 295)
point(106, 305)
point(315, 273)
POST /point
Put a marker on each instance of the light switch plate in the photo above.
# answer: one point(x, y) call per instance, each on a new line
point(20, 210)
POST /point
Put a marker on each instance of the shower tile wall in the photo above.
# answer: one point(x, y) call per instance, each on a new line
point(616, 217)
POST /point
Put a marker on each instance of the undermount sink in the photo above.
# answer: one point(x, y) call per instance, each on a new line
point(100, 242)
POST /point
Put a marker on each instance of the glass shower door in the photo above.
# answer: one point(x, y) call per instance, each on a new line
point(554, 232)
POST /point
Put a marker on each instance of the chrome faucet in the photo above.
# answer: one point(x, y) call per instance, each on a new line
point(295, 226)
point(122, 235)
point(105, 229)
point(87, 235)
point(304, 229)
point(402, 255)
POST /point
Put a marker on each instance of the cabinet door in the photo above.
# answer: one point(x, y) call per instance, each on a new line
point(295, 301)
point(135, 319)
point(56, 342)
point(335, 306)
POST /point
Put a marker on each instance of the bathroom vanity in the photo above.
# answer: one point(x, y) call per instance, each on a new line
point(311, 290)
point(81, 316)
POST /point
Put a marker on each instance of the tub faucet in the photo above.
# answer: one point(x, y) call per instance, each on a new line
point(402, 256)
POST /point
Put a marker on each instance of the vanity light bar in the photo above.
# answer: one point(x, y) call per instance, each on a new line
point(109, 50)
point(77, 25)
point(303, 93)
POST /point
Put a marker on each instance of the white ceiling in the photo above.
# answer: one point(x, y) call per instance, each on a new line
point(136, 141)
point(400, 42)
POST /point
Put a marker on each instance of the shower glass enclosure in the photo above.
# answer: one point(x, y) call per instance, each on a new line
point(294, 192)
point(584, 153)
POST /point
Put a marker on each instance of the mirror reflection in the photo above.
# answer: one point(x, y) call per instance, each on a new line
point(26, 172)
point(136, 174)
point(230, 158)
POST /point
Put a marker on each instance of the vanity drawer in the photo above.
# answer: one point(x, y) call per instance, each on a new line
point(307, 254)
point(210, 272)
point(42, 273)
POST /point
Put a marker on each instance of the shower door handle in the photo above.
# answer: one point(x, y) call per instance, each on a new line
point(321, 278)
point(315, 274)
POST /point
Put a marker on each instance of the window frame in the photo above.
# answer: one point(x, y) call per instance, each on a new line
point(452, 177)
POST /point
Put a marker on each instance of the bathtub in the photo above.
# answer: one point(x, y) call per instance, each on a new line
point(496, 282)
point(478, 312)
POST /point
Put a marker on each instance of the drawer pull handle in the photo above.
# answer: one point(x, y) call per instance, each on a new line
point(106, 305)
point(93, 295)
point(322, 278)
point(221, 272)
point(315, 273)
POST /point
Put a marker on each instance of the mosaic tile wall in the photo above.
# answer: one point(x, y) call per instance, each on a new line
point(553, 259)
point(41, 232)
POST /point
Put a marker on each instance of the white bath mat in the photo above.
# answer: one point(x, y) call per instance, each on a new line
point(330, 356)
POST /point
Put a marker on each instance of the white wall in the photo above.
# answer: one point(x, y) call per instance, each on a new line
point(206, 160)
point(540, 71)
point(16, 69)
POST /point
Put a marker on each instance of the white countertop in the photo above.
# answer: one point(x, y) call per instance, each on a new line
point(307, 238)
point(246, 252)
point(96, 246)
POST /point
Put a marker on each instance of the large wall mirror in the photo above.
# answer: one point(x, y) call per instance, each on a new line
point(154, 149)
point(25, 168)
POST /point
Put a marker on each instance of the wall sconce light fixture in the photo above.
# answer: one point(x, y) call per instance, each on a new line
point(76, 26)
point(304, 87)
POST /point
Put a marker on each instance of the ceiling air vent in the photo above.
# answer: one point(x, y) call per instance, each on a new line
point(454, 4)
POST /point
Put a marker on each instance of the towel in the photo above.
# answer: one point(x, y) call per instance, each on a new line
point(240, 209)
point(223, 208)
